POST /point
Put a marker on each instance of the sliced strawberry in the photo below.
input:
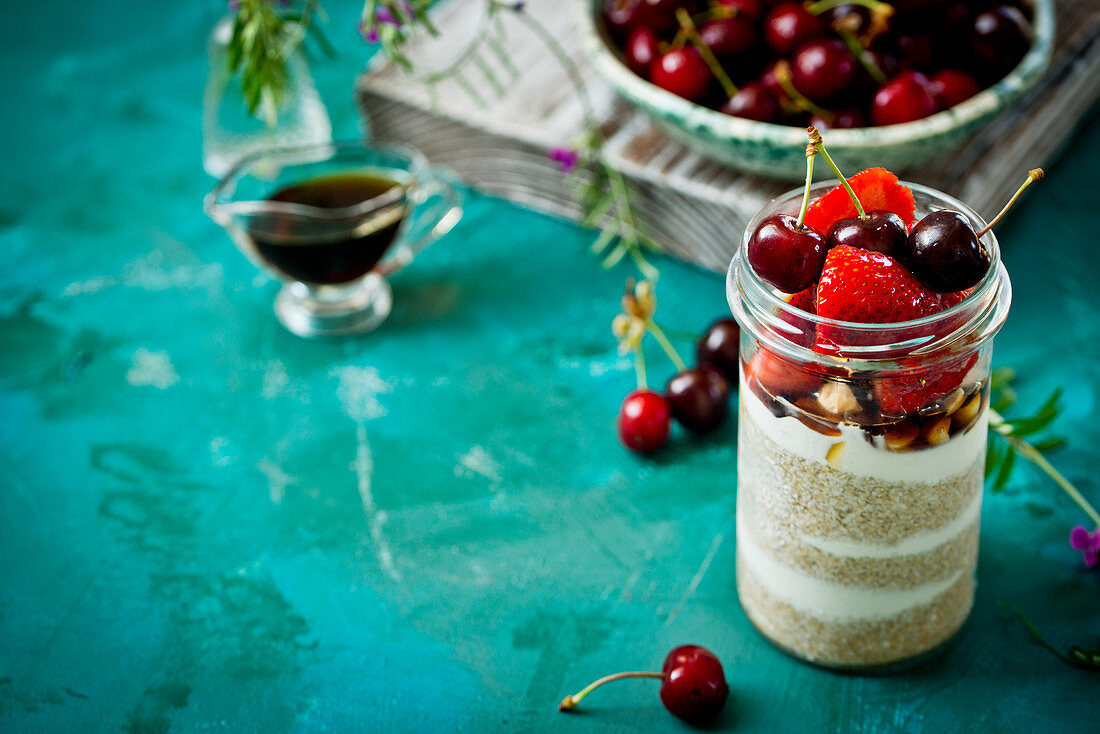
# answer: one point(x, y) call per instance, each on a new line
point(780, 377)
point(906, 393)
point(805, 300)
point(876, 189)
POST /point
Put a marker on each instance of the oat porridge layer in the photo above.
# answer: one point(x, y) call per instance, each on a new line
point(845, 566)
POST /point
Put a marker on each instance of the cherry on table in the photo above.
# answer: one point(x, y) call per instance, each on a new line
point(720, 347)
point(950, 87)
point(904, 98)
point(644, 421)
point(693, 685)
point(699, 398)
point(880, 231)
point(641, 49)
point(785, 254)
point(683, 72)
point(789, 25)
point(752, 102)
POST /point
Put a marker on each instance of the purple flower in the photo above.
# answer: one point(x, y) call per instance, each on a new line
point(567, 158)
point(1086, 542)
point(383, 15)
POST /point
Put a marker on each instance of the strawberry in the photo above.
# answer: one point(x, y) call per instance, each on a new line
point(778, 376)
point(876, 188)
point(908, 392)
point(805, 300)
point(871, 288)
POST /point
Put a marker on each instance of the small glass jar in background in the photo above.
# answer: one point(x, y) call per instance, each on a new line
point(860, 466)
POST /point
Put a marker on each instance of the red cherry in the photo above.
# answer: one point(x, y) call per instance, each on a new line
point(822, 68)
point(844, 119)
point(752, 102)
point(950, 87)
point(641, 49)
point(728, 37)
point(693, 685)
point(750, 9)
point(620, 14)
point(644, 421)
point(904, 98)
point(682, 72)
point(786, 255)
point(694, 688)
point(660, 15)
point(789, 25)
point(699, 398)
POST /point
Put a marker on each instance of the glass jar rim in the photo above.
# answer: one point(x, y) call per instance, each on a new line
point(977, 317)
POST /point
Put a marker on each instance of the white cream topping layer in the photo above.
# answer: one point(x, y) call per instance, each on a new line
point(859, 456)
point(910, 546)
point(827, 600)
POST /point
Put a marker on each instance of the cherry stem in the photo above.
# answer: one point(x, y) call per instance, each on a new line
point(1032, 176)
point(811, 151)
point(783, 76)
point(822, 5)
point(815, 139)
point(687, 26)
point(856, 48)
point(570, 702)
point(659, 335)
point(639, 368)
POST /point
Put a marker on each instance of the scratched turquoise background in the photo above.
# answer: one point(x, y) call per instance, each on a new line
point(206, 524)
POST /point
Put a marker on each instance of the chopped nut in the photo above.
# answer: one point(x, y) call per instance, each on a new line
point(901, 436)
point(834, 454)
point(837, 399)
point(937, 430)
point(954, 400)
point(965, 415)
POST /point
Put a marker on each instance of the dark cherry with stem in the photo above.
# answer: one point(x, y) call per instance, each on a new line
point(879, 231)
point(785, 252)
point(693, 685)
point(945, 253)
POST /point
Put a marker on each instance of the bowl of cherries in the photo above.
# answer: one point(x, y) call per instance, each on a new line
point(895, 82)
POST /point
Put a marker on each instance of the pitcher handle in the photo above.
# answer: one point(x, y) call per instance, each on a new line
point(436, 210)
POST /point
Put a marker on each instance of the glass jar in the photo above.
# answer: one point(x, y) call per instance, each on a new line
point(861, 451)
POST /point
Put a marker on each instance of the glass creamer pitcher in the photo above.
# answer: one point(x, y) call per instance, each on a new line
point(332, 221)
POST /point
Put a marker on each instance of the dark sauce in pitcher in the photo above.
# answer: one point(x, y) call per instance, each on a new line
point(328, 251)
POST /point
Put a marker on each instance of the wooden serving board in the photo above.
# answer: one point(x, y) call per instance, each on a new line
point(495, 123)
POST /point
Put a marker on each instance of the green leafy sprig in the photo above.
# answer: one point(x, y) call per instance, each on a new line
point(1013, 437)
point(264, 36)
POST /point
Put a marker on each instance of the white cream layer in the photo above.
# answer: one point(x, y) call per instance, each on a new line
point(828, 600)
point(862, 458)
point(909, 546)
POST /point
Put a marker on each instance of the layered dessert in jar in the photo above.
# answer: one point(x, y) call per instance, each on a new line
point(863, 413)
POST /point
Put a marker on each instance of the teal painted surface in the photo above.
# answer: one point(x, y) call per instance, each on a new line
point(209, 524)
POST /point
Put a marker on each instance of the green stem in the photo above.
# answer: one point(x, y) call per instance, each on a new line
point(667, 346)
point(822, 5)
point(1032, 176)
point(815, 138)
point(570, 702)
point(811, 151)
point(861, 54)
point(998, 424)
point(687, 25)
point(783, 76)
